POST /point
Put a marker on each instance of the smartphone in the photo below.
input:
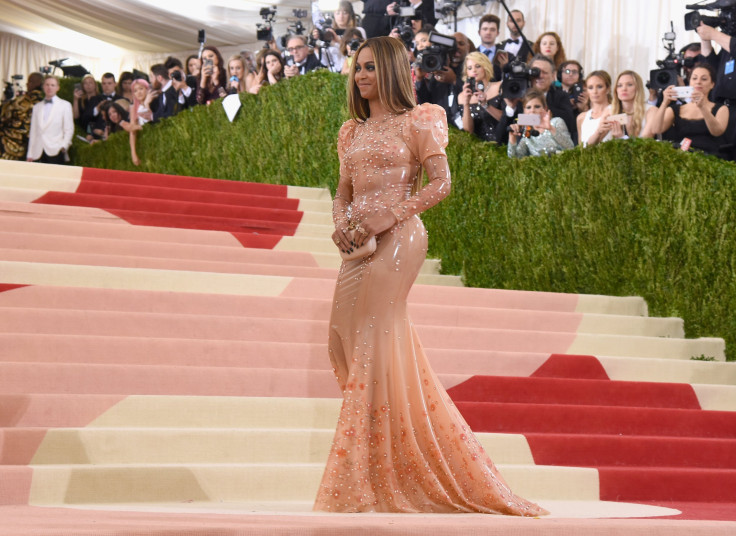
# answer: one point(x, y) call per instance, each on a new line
point(683, 92)
point(201, 37)
point(529, 120)
point(208, 63)
point(77, 86)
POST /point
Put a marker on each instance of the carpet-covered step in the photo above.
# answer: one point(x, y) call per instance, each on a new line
point(582, 392)
point(312, 308)
point(56, 348)
point(578, 450)
point(91, 235)
point(111, 446)
point(28, 172)
point(161, 280)
point(65, 484)
point(28, 320)
point(516, 418)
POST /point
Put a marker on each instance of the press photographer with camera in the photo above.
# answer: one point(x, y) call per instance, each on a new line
point(570, 76)
point(302, 59)
point(443, 86)
point(701, 122)
point(478, 115)
point(541, 75)
point(538, 133)
point(350, 42)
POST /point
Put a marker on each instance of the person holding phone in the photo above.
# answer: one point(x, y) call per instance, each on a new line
point(701, 121)
point(212, 77)
point(536, 132)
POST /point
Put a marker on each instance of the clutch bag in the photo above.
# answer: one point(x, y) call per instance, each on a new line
point(368, 248)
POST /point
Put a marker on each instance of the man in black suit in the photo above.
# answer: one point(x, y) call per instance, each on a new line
point(423, 13)
point(488, 32)
point(557, 100)
point(515, 45)
point(186, 93)
point(170, 100)
point(304, 60)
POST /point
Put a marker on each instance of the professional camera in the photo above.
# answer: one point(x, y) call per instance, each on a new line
point(264, 30)
point(297, 28)
point(434, 58)
point(517, 77)
point(670, 68)
point(354, 44)
point(726, 19)
point(406, 32)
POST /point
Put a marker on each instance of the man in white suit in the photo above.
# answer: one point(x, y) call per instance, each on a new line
point(52, 126)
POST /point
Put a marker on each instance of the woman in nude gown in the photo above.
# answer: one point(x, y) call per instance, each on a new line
point(400, 444)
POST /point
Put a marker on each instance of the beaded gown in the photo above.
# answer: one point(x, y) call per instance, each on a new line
point(400, 445)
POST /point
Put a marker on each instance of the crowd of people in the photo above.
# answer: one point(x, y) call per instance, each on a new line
point(560, 108)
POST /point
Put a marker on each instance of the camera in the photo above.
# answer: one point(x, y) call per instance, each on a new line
point(264, 30)
point(726, 19)
point(670, 67)
point(435, 57)
point(288, 59)
point(406, 33)
point(517, 77)
point(354, 44)
point(177, 75)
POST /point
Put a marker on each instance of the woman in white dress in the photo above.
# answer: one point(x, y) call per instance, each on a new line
point(629, 99)
point(592, 125)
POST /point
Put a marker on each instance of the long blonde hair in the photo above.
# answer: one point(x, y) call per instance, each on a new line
point(393, 78)
point(639, 103)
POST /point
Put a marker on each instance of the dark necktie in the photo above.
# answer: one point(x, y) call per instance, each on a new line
point(48, 101)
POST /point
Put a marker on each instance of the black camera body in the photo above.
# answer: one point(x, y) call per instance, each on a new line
point(354, 44)
point(726, 18)
point(436, 56)
point(264, 30)
point(517, 77)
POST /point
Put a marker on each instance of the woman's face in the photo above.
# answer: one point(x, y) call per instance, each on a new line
point(421, 41)
point(273, 65)
point(475, 70)
point(140, 92)
point(365, 75)
point(342, 18)
point(548, 46)
point(209, 55)
point(700, 80)
point(626, 88)
point(113, 114)
point(235, 68)
point(126, 85)
point(534, 106)
point(194, 65)
point(597, 90)
point(89, 85)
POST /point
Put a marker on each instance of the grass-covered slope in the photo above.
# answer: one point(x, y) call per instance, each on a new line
point(624, 218)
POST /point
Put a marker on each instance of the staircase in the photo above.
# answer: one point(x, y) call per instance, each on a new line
point(163, 350)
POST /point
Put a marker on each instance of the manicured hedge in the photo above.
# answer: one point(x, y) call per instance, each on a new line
point(623, 218)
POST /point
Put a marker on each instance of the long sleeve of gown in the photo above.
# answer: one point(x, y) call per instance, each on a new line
point(426, 136)
point(344, 191)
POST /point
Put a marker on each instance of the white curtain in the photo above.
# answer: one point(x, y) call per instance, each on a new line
point(613, 35)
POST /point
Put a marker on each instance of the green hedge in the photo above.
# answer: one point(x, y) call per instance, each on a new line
point(623, 218)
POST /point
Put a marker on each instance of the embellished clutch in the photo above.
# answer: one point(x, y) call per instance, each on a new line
point(368, 248)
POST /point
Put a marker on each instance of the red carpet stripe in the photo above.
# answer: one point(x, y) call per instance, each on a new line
point(4, 287)
point(181, 181)
point(572, 366)
point(575, 391)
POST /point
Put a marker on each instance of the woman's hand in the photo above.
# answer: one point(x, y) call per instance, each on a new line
point(617, 130)
point(514, 133)
point(466, 95)
point(699, 99)
point(78, 94)
point(546, 121)
point(341, 238)
point(668, 96)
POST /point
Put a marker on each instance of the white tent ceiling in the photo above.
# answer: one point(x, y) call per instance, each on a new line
point(139, 26)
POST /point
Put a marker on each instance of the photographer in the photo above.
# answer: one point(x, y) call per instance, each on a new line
point(570, 77)
point(351, 40)
point(303, 60)
point(423, 12)
point(442, 87)
point(701, 121)
point(549, 136)
point(557, 100)
point(478, 116)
